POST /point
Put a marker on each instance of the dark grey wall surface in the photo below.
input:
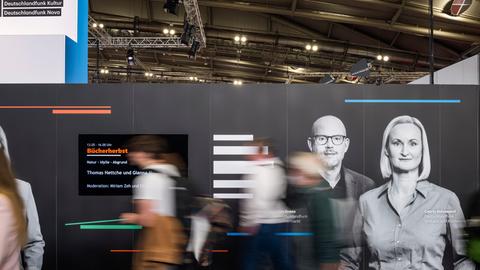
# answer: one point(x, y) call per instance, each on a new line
point(44, 147)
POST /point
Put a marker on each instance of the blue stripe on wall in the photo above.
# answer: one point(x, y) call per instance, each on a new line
point(76, 54)
point(403, 101)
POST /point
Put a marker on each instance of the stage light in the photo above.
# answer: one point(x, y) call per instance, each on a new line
point(237, 82)
point(188, 33)
point(315, 48)
point(386, 58)
point(171, 6)
point(94, 25)
point(191, 78)
point(192, 53)
point(101, 25)
point(237, 38)
point(308, 47)
point(165, 31)
point(379, 57)
point(172, 32)
point(130, 57)
point(243, 39)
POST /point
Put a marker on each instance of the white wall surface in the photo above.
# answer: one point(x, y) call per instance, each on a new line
point(32, 59)
point(463, 72)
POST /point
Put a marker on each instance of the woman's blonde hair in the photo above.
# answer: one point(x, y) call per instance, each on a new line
point(8, 187)
point(386, 167)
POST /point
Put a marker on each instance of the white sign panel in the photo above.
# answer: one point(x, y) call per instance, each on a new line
point(39, 17)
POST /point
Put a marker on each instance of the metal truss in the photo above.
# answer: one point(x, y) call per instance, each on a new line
point(374, 74)
point(194, 17)
point(136, 42)
point(100, 36)
point(98, 33)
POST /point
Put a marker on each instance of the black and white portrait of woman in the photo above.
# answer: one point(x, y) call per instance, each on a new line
point(407, 222)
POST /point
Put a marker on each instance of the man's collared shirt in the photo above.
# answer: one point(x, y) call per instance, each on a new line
point(413, 239)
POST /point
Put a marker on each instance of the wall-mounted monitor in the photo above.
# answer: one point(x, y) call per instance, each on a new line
point(104, 169)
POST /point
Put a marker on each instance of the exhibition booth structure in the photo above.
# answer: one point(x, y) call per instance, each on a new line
point(68, 142)
point(44, 41)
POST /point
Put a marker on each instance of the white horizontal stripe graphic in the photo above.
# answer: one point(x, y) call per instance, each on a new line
point(233, 195)
point(232, 167)
point(238, 150)
point(233, 183)
point(232, 137)
point(236, 166)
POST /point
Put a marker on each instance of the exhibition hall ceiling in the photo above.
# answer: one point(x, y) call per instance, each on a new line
point(277, 33)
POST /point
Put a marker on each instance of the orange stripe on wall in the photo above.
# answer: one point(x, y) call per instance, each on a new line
point(82, 111)
point(55, 107)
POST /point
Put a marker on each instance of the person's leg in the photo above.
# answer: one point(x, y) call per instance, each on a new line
point(280, 252)
point(251, 251)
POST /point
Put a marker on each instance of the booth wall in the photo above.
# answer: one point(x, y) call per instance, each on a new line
point(44, 146)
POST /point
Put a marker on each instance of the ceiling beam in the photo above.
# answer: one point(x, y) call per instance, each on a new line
point(399, 12)
point(414, 7)
point(394, 39)
point(341, 18)
point(293, 7)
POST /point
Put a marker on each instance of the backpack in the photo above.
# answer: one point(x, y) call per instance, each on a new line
point(183, 200)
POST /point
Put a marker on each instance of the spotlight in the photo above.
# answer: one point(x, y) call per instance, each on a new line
point(106, 71)
point(386, 58)
point(192, 53)
point(130, 57)
point(165, 31)
point(308, 47)
point(171, 6)
point(379, 57)
point(188, 33)
point(237, 82)
point(101, 25)
point(195, 78)
point(315, 48)
point(148, 74)
point(102, 71)
point(243, 39)
point(190, 78)
point(172, 32)
point(236, 38)
point(94, 25)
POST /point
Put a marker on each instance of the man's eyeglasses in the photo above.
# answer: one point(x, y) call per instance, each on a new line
point(322, 139)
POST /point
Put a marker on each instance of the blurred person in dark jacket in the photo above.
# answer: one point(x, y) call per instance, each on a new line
point(473, 230)
point(313, 212)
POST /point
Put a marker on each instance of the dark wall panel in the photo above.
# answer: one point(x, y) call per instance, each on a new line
point(44, 147)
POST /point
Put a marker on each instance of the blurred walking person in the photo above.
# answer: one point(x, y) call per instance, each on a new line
point(312, 205)
point(162, 238)
point(12, 220)
point(264, 215)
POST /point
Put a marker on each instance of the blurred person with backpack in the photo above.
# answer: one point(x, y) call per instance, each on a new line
point(157, 205)
point(13, 230)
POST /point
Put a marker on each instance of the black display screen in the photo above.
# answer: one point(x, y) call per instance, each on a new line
point(104, 169)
